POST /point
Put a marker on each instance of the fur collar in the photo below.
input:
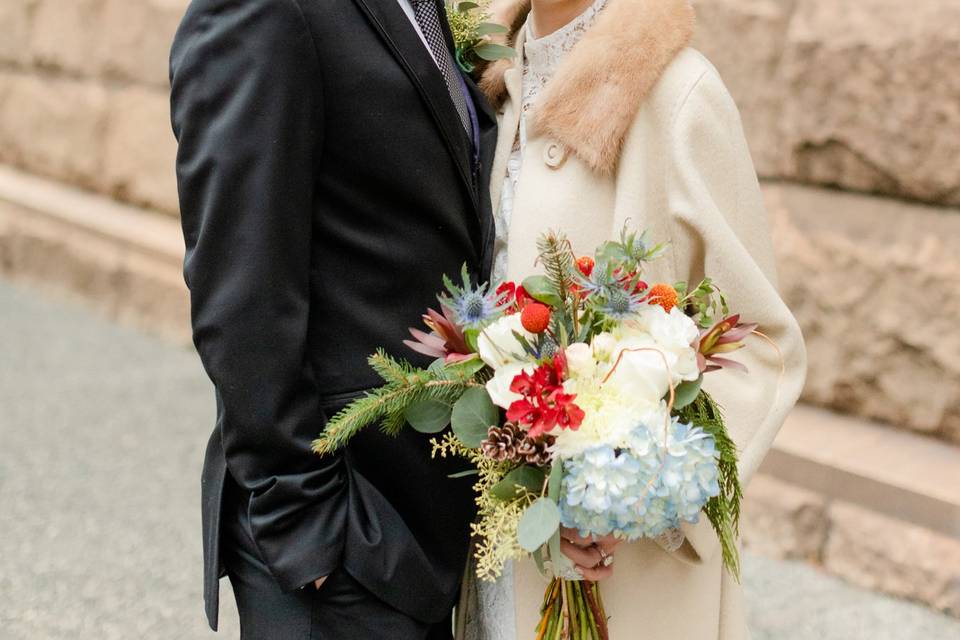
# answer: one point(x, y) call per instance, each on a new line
point(596, 93)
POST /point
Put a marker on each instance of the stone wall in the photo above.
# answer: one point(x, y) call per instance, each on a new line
point(83, 94)
point(857, 94)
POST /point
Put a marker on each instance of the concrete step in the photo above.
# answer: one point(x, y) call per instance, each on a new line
point(120, 259)
point(888, 470)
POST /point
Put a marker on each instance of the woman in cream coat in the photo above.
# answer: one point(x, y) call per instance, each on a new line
point(613, 119)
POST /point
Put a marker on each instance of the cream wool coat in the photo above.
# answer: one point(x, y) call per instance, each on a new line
point(637, 127)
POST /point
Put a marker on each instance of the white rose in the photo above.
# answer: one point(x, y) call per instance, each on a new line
point(498, 387)
point(498, 346)
point(603, 345)
point(641, 372)
point(580, 360)
point(674, 332)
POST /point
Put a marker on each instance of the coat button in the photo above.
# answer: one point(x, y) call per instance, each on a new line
point(554, 154)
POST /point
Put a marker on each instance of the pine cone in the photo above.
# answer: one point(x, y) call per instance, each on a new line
point(502, 442)
point(535, 451)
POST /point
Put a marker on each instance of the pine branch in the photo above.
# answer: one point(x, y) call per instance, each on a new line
point(388, 368)
point(387, 405)
point(723, 511)
point(557, 259)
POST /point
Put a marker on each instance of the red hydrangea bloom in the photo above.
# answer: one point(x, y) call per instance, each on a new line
point(544, 404)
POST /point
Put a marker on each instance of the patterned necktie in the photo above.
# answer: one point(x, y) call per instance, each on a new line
point(429, 20)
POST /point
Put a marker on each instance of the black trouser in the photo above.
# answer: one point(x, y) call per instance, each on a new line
point(341, 609)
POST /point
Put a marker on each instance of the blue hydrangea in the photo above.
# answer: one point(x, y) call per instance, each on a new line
point(643, 489)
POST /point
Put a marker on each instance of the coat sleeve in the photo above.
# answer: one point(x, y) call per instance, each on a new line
point(246, 108)
point(720, 230)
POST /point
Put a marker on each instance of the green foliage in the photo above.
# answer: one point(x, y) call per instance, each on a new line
point(518, 481)
point(473, 415)
point(542, 290)
point(706, 303)
point(471, 31)
point(387, 405)
point(630, 252)
point(428, 415)
point(686, 392)
point(723, 511)
point(538, 524)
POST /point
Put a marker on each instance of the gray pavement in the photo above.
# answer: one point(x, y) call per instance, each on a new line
point(102, 430)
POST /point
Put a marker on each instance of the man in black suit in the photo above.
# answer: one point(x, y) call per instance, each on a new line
point(332, 167)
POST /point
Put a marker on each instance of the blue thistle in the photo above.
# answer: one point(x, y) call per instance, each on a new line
point(471, 306)
point(619, 303)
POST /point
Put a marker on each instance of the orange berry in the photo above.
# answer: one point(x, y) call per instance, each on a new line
point(663, 295)
point(535, 317)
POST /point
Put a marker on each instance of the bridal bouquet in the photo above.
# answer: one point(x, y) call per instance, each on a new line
point(575, 397)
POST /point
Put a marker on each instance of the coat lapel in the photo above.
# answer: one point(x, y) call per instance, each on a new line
point(405, 44)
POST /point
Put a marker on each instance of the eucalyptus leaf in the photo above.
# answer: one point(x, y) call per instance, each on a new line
point(686, 392)
point(428, 415)
point(537, 524)
point(467, 6)
point(555, 481)
point(516, 481)
point(488, 28)
point(538, 560)
point(473, 415)
point(540, 289)
point(464, 474)
point(468, 368)
point(491, 51)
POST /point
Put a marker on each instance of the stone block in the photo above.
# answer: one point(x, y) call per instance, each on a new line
point(66, 35)
point(881, 553)
point(53, 127)
point(873, 284)
point(136, 38)
point(140, 149)
point(16, 17)
point(859, 95)
point(783, 521)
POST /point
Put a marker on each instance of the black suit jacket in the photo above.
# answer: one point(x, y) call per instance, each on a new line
point(326, 184)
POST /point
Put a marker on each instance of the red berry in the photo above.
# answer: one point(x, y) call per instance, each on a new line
point(585, 265)
point(535, 317)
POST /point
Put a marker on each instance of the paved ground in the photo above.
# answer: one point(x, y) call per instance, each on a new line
point(101, 437)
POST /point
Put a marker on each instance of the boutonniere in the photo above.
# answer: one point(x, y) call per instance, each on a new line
point(469, 22)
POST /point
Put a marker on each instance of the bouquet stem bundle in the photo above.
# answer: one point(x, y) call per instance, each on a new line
point(572, 610)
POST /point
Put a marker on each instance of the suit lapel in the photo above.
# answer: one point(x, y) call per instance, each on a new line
point(405, 44)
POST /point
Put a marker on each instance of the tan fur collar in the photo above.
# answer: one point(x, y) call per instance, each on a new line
point(593, 99)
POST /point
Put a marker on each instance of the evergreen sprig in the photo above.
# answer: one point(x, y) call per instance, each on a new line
point(556, 257)
point(404, 385)
point(723, 511)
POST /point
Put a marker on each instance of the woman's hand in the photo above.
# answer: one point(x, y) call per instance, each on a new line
point(593, 557)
